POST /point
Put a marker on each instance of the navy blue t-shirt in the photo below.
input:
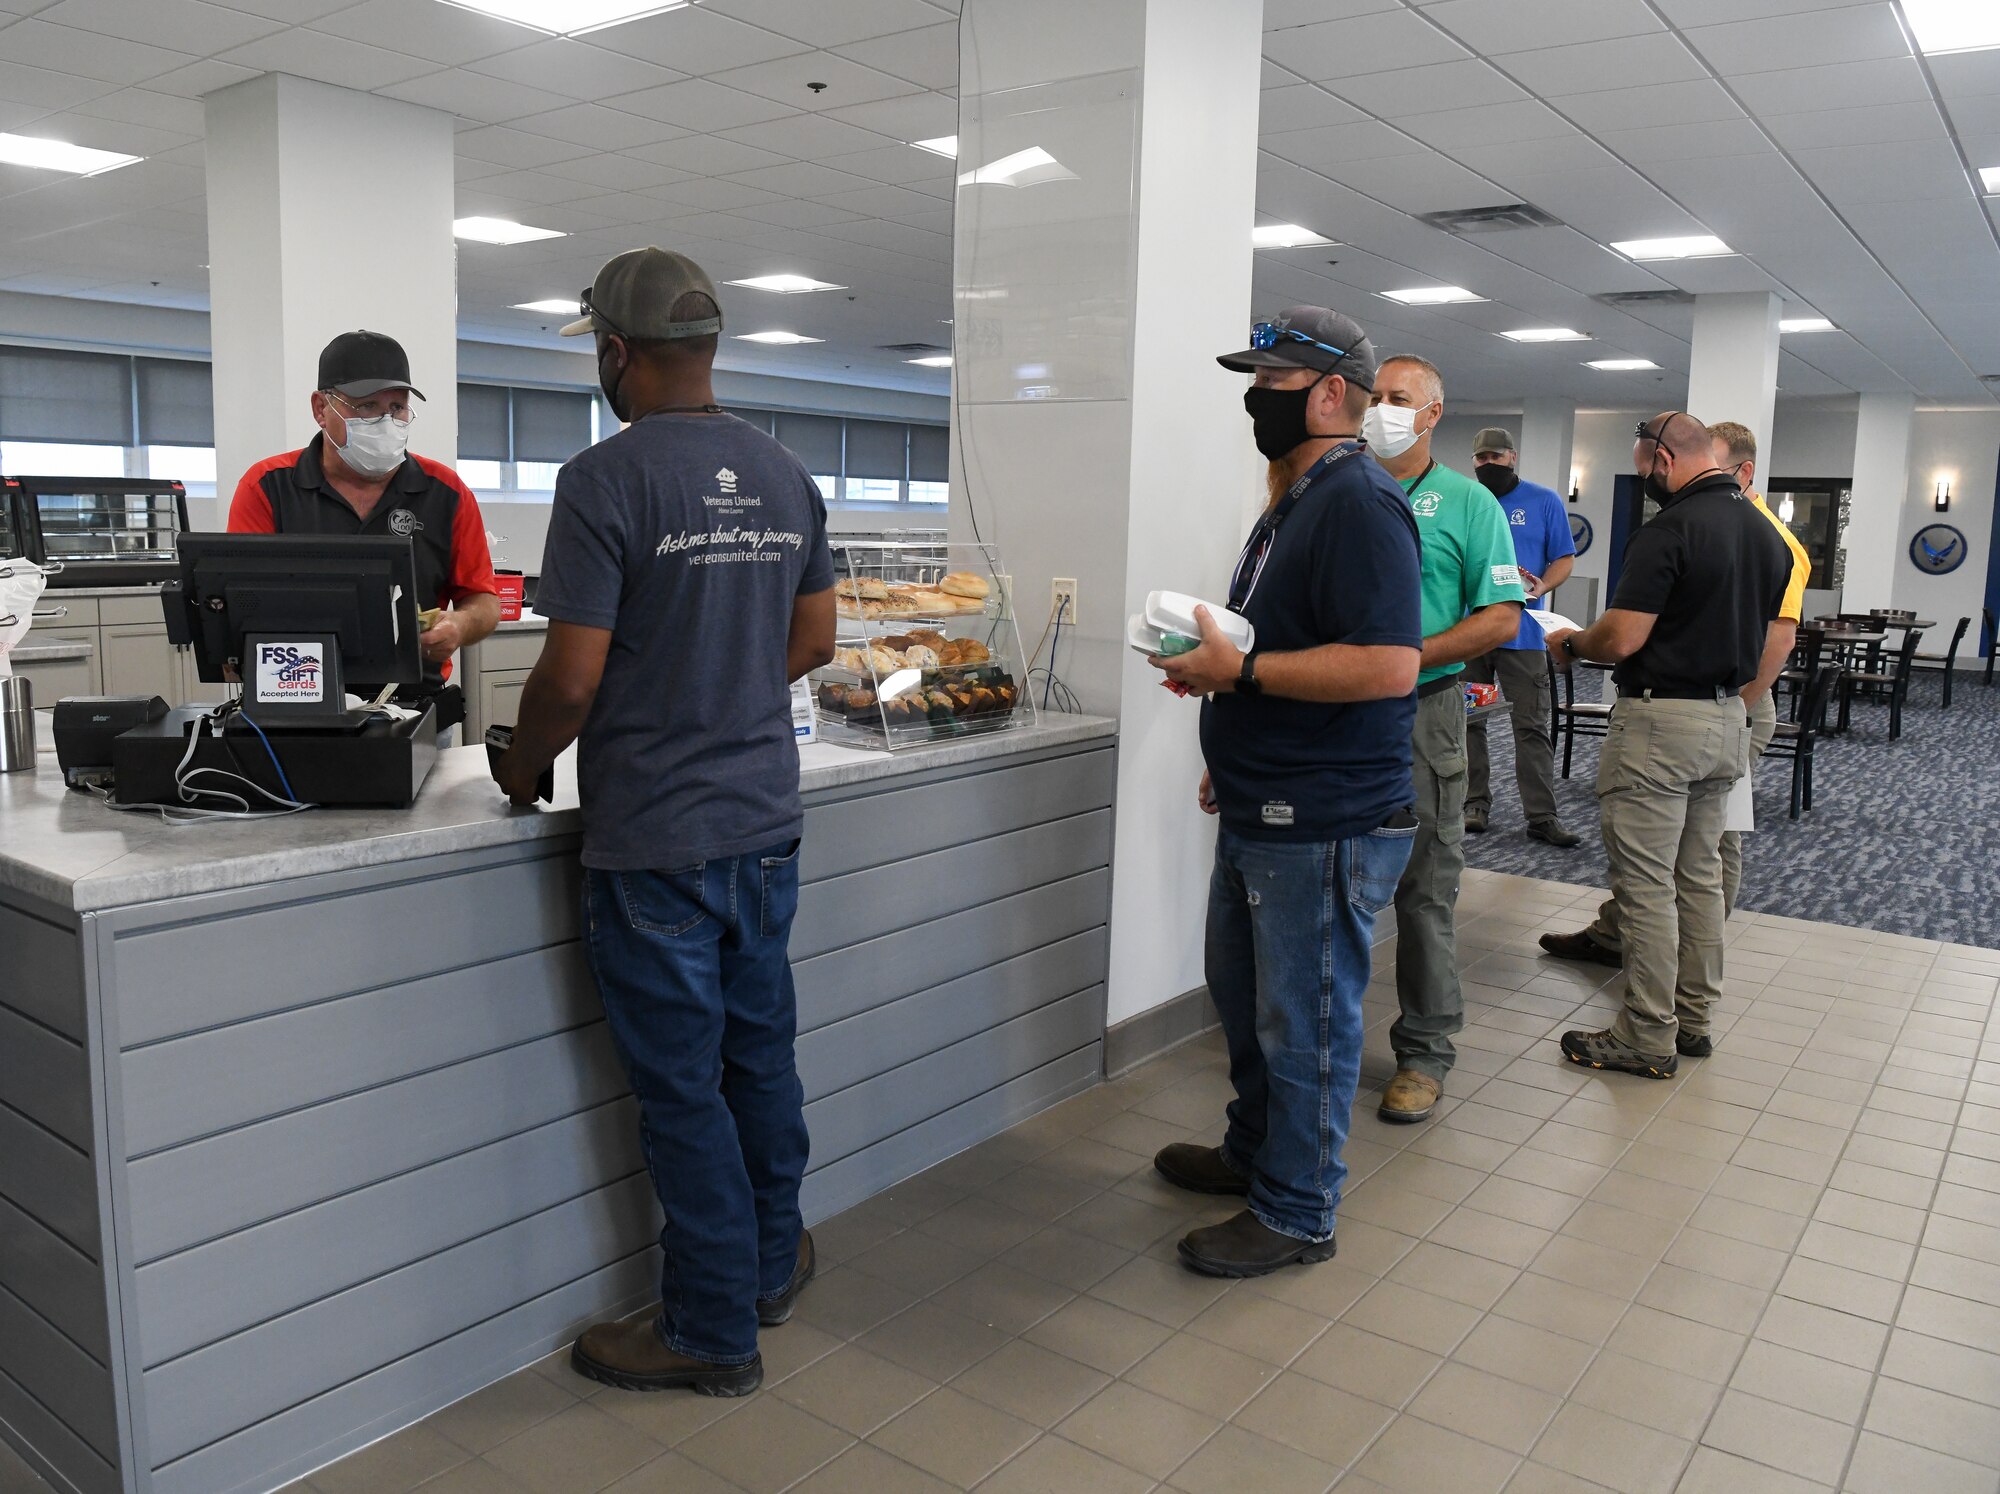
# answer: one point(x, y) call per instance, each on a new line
point(1343, 568)
point(689, 537)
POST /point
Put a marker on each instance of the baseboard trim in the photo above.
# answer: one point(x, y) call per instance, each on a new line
point(1130, 1043)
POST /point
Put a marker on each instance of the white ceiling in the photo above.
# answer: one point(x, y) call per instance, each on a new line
point(1803, 132)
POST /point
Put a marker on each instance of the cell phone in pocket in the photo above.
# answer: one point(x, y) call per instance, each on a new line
point(498, 740)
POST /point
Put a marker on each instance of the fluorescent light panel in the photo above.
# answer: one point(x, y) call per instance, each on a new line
point(777, 339)
point(944, 145)
point(942, 360)
point(1621, 365)
point(1805, 324)
point(1953, 25)
point(568, 17)
point(1989, 178)
point(785, 285)
point(1546, 334)
point(59, 155)
point(1693, 246)
point(1024, 168)
point(550, 308)
point(500, 231)
point(1285, 236)
point(1432, 295)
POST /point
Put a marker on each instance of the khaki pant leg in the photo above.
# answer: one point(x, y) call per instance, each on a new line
point(1427, 983)
point(1700, 899)
point(1763, 727)
point(1524, 677)
point(1478, 771)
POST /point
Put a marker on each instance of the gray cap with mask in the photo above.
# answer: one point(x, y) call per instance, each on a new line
point(1309, 337)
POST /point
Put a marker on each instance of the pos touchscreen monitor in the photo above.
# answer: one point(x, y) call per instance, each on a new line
point(299, 619)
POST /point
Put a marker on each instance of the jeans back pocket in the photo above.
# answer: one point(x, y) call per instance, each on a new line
point(779, 879)
point(1375, 865)
point(664, 902)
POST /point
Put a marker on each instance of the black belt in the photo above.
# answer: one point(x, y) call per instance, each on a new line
point(1437, 686)
point(1717, 693)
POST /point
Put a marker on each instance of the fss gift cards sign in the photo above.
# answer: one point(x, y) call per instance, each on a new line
point(290, 673)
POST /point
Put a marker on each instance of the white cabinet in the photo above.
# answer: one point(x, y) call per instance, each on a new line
point(500, 697)
point(138, 660)
point(492, 673)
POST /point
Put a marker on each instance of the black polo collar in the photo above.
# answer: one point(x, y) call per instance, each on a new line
point(310, 471)
point(1714, 482)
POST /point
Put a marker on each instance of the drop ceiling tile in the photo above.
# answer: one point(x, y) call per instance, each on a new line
point(1704, 141)
point(1850, 85)
point(1878, 124)
point(700, 194)
point(537, 188)
point(65, 49)
point(189, 82)
point(1577, 153)
point(1853, 33)
point(791, 212)
point(189, 26)
point(514, 148)
point(1326, 150)
point(808, 137)
point(620, 172)
point(788, 80)
point(326, 59)
point(898, 237)
point(598, 127)
point(913, 116)
point(474, 96)
point(469, 169)
point(1426, 183)
point(142, 106)
point(801, 179)
point(80, 128)
point(576, 69)
point(291, 12)
point(438, 33)
point(1489, 124)
point(1911, 171)
point(16, 116)
point(1284, 15)
point(1553, 72)
point(832, 25)
point(608, 208)
point(927, 57)
point(900, 164)
point(1301, 106)
point(709, 155)
point(1365, 44)
point(698, 104)
point(882, 202)
point(696, 40)
point(1977, 122)
point(1695, 101)
point(1466, 84)
point(1494, 27)
point(1967, 74)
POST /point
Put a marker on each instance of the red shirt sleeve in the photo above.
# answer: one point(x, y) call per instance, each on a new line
point(250, 509)
point(471, 559)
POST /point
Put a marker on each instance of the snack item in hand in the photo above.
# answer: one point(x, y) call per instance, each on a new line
point(966, 584)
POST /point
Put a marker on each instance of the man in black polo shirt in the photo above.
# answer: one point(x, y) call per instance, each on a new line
point(1307, 739)
point(1700, 586)
point(357, 476)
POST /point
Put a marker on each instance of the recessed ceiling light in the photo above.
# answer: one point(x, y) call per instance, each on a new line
point(1953, 25)
point(944, 145)
point(568, 17)
point(551, 308)
point(786, 285)
point(1622, 365)
point(776, 339)
point(500, 231)
point(942, 360)
point(1025, 168)
point(60, 155)
point(1432, 295)
point(1285, 236)
point(1989, 178)
point(1694, 246)
point(1546, 334)
point(1805, 324)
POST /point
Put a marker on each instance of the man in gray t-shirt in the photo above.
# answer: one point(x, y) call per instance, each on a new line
point(687, 583)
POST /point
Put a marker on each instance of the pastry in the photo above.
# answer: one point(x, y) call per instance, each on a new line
point(885, 660)
point(854, 660)
point(972, 651)
point(966, 584)
point(833, 697)
point(872, 589)
point(927, 638)
point(848, 607)
point(917, 656)
point(860, 701)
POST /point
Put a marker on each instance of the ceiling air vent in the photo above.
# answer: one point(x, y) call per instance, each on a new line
point(913, 349)
point(1989, 378)
point(1646, 298)
point(1500, 219)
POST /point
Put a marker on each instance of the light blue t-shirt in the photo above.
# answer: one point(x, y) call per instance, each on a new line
point(1540, 526)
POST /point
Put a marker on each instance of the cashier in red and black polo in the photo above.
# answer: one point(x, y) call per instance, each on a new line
point(425, 502)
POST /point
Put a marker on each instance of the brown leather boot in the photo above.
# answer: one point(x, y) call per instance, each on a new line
point(1410, 1097)
point(1199, 1169)
point(771, 1311)
point(631, 1356)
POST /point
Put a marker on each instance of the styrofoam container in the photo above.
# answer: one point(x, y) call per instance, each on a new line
point(1173, 612)
point(1150, 641)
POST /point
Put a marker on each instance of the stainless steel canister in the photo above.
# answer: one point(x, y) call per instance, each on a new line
point(17, 724)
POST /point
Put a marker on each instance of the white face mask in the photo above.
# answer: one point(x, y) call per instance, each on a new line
point(1390, 430)
point(375, 444)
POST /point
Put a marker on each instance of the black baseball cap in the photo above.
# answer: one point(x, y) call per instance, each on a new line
point(1309, 337)
point(635, 293)
point(358, 364)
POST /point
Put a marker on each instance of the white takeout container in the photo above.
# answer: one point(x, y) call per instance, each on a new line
point(1173, 612)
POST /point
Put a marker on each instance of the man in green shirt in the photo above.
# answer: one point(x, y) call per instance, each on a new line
point(1472, 598)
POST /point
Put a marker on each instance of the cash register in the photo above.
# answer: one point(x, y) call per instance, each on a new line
point(301, 621)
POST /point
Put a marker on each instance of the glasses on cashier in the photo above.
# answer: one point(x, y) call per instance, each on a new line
point(1267, 335)
point(398, 409)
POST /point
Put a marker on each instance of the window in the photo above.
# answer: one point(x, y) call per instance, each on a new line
point(480, 475)
point(930, 492)
point(829, 486)
point(513, 441)
point(61, 459)
point(874, 490)
point(875, 464)
point(536, 477)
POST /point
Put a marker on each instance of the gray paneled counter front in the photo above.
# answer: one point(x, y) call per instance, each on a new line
point(309, 1127)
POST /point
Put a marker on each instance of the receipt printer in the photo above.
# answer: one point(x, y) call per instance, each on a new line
point(85, 727)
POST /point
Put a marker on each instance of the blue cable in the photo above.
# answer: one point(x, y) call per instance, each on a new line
point(283, 781)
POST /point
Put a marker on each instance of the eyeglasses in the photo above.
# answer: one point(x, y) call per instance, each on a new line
point(597, 316)
point(1267, 335)
point(399, 411)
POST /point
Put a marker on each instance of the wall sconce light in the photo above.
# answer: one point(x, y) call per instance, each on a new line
point(1942, 502)
point(1575, 483)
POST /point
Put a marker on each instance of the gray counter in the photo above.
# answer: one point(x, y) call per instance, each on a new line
point(309, 1127)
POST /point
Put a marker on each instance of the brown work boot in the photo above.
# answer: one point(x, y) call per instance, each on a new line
point(773, 1310)
point(631, 1356)
point(1199, 1169)
point(1410, 1097)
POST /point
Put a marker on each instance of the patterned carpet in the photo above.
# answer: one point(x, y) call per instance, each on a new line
point(1904, 836)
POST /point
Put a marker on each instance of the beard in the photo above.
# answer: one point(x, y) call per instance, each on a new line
point(1277, 478)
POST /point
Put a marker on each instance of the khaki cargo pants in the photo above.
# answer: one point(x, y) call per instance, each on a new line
point(1427, 986)
point(1763, 727)
point(1663, 781)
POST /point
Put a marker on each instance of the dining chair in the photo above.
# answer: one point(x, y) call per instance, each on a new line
point(1891, 684)
point(1949, 659)
point(1593, 718)
point(1796, 739)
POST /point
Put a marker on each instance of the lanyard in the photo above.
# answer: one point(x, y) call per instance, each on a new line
point(1250, 565)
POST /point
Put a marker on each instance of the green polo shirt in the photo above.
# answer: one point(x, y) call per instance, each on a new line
point(1468, 553)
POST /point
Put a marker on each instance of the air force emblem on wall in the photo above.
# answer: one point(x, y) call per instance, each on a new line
point(1937, 549)
point(403, 522)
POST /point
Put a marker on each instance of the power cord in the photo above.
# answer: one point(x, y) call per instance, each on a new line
point(188, 811)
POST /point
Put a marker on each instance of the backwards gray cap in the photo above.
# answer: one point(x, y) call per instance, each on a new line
point(1310, 337)
point(1493, 438)
point(635, 293)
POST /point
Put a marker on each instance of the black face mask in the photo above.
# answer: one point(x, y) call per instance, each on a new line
point(611, 386)
point(1278, 418)
point(1497, 478)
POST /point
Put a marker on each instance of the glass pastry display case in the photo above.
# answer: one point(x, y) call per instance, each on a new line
point(102, 531)
point(926, 649)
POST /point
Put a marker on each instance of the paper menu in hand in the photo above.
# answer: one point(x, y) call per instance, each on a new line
point(1742, 812)
point(1553, 622)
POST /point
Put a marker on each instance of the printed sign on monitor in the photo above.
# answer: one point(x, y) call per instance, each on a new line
point(290, 673)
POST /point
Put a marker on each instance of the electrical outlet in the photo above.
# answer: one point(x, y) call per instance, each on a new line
point(1062, 599)
point(1006, 601)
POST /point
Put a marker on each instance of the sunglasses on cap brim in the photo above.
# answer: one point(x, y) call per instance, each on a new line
point(597, 316)
point(1267, 335)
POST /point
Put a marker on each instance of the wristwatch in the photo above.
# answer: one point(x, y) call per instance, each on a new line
point(1569, 646)
point(1247, 682)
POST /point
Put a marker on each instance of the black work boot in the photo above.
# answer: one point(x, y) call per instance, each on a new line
point(1693, 1047)
point(1199, 1169)
point(1243, 1245)
point(1580, 946)
point(632, 1357)
point(771, 1311)
point(1475, 818)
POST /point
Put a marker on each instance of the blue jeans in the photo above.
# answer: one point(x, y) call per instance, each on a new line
point(1289, 930)
point(698, 992)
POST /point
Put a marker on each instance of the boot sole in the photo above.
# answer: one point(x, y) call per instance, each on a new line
point(730, 1381)
point(1642, 1071)
point(1312, 1255)
point(1595, 957)
point(1237, 1190)
point(1405, 1117)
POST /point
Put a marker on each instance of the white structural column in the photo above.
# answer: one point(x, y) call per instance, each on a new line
point(1733, 369)
point(1548, 441)
point(1872, 541)
point(328, 210)
point(1098, 439)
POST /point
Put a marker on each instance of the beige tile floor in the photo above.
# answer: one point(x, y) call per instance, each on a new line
point(1780, 1271)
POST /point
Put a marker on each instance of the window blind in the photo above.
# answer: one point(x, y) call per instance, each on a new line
point(814, 440)
point(48, 394)
point(930, 453)
point(877, 448)
point(550, 425)
point(176, 402)
point(482, 423)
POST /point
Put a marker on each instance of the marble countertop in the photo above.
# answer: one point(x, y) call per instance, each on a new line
point(69, 849)
point(528, 622)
